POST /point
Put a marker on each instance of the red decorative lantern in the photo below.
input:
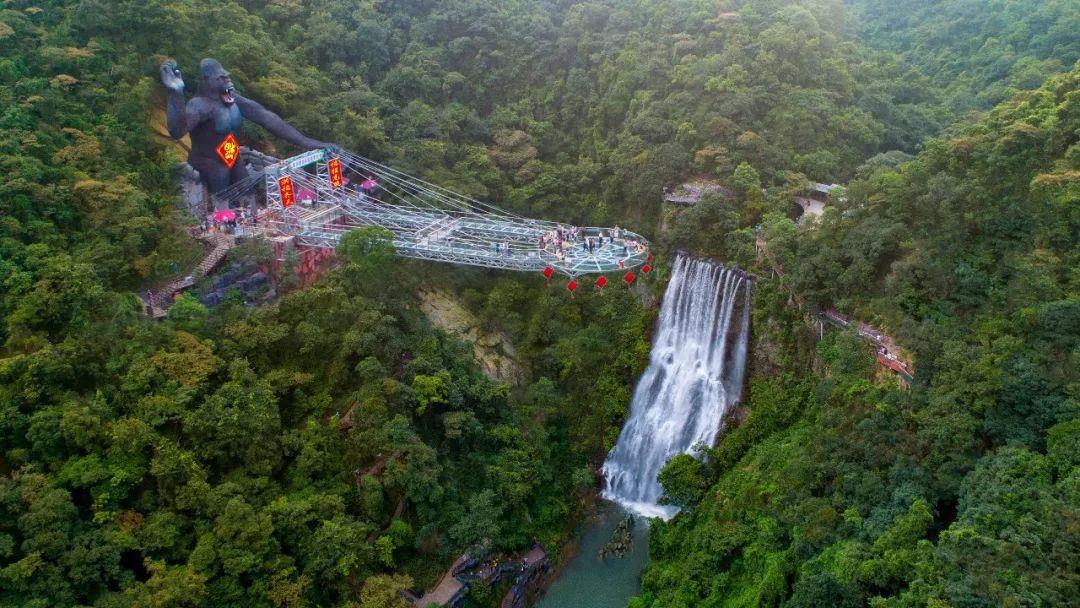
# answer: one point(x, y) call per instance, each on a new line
point(646, 268)
point(600, 282)
point(628, 277)
point(547, 272)
point(649, 259)
point(571, 286)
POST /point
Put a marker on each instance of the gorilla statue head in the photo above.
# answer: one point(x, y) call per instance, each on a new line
point(215, 82)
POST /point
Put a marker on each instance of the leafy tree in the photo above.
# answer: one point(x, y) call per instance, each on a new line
point(682, 480)
point(384, 591)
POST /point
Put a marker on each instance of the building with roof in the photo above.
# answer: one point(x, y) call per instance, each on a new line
point(814, 200)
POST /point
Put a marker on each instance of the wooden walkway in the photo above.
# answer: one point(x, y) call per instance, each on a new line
point(526, 569)
point(220, 243)
point(448, 588)
point(532, 565)
point(887, 348)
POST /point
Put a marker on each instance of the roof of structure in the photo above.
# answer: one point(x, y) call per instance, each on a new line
point(824, 188)
point(690, 193)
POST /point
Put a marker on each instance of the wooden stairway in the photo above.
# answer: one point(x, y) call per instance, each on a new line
point(220, 244)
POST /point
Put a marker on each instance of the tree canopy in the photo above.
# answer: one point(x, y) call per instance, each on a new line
point(335, 447)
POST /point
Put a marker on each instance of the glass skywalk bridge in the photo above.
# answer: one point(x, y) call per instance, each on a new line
point(318, 196)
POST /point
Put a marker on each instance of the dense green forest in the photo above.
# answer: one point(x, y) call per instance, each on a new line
point(976, 51)
point(203, 461)
point(962, 490)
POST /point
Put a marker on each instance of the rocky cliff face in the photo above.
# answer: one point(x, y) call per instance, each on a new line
point(493, 351)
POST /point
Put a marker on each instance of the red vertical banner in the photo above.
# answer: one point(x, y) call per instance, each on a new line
point(287, 196)
point(334, 167)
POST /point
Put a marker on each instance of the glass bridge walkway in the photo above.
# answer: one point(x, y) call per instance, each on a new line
point(318, 196)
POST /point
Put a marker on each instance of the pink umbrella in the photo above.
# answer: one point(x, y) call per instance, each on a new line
point(306, 195)
point(224, 215)
point(368, 184)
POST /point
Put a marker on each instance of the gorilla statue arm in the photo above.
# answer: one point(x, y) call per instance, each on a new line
point(216, 95)
point(182, 116)
point(255, 112)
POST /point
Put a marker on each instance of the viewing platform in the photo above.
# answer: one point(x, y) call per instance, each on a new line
point(318, 196)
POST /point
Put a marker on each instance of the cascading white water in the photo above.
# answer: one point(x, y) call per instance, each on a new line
point(695, 374)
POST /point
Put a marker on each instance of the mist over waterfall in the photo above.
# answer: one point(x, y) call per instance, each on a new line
point(695, 375)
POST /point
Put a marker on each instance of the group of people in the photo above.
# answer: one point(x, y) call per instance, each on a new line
point(502, 248)
point(562, 239)
point(244, 216)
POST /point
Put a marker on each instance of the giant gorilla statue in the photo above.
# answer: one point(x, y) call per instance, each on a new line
point(213, 116)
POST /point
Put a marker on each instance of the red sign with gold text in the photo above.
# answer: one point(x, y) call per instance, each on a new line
point(287, 197)
point(228, 150)
point(334, 167)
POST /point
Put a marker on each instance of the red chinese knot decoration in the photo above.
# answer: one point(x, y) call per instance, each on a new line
point(649, 259)
point(547, 272)
point(334, 168)
point(571, 286)
point(228, 150)
point(646, 268)
point(628, 277)
point(601, 282)
point(287, 196)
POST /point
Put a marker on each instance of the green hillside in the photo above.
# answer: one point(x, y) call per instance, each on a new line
point(335, 447)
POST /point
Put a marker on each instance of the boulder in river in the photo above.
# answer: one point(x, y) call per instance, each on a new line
point(622, 540)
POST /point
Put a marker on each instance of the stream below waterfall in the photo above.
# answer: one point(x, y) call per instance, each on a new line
point(589, 582)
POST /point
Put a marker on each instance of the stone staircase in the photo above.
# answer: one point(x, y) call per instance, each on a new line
point(158, 305)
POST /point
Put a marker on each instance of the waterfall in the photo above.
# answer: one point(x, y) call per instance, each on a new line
point(695, 375)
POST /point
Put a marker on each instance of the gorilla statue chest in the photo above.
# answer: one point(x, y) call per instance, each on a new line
point(227, 118)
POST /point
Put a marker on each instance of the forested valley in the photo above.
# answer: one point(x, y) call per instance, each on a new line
point(335, 447)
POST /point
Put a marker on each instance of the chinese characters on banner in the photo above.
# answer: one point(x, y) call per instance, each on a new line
point(228, 150)
point(287, 198)
point(334, 167)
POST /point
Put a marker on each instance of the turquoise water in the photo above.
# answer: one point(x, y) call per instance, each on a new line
point(588, 582)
